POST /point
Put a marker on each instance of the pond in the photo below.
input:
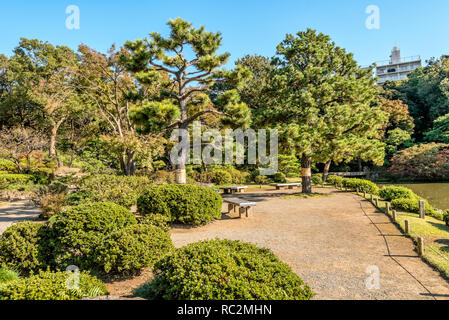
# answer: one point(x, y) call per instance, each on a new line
point(436, 193)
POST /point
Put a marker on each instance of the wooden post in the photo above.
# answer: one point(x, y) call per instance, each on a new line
point(357, 190)
point(377, 202)
point(395, 217)
point(420, 246)
point(372, 198)
point(422, 212)
point(387, 204)
point(407, 226)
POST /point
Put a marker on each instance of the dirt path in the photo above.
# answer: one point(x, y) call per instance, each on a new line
point(330, 242)
point(17, 211)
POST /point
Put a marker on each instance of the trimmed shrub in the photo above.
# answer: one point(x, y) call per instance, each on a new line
point(221, 177)
point(128, 250)
point(118, 189)
point(52, 286)
point(22, 247)
point(157, 220)
point(362, 185)
point(279, 177)
point(186, 204)
point(317, 179)
point(411, 205)
point(81, 229)
point(335, 180)
point(224, 270)
point(390, 193)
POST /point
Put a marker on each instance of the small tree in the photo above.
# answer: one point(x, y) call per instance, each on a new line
point(18, 143)
point(189, 57)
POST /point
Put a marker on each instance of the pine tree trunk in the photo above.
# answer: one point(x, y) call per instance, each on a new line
point(306, 163)
point(360, 164)
point(128, 164)
point(327, 166)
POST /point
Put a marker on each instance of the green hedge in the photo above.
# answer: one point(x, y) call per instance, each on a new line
point(186, 204)
point(6, 179)
point(390, 193)
point(128, 250)
point(224, 270)
point(52, 286)
point(77, 232)
point(121, 190)
point(412, 205)
point(362, 185)
point(335, 180)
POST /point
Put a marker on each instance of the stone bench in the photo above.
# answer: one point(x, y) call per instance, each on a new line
point(287, 185)
point(230, 190)
point(243, 205)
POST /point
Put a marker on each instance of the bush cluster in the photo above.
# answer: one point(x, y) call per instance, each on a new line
point(52, 286)
point(7, 165)
point(103, 237)
point(186, 204)
point(6, 179)
point(390, 193)
point(361, 184)
point(121, 190)
point(224, 270)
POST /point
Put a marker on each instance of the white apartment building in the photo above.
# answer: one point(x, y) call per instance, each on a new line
point(396, 68)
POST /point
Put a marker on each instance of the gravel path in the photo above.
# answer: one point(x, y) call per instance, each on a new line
point(330, 242)
point(17, 211)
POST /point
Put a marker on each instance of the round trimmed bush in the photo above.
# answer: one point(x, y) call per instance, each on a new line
point(79, 230)
point(224, 270)
point(390, 193)
point(52, 286)
point(261, 180)
point(186, 204)
point(128, 250)
point(22, 247)
point(279, 177)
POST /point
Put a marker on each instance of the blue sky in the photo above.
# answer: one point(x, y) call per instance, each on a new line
point(418, 27)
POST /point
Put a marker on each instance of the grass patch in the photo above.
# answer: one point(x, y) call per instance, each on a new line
point(7, 275)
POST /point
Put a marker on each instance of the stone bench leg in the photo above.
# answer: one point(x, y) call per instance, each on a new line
point(278, 188)
point(290, 187)
point(248, 211)
point(231, 207)
point(241, 211)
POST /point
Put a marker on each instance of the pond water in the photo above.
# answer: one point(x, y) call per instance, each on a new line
point(436, 193)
